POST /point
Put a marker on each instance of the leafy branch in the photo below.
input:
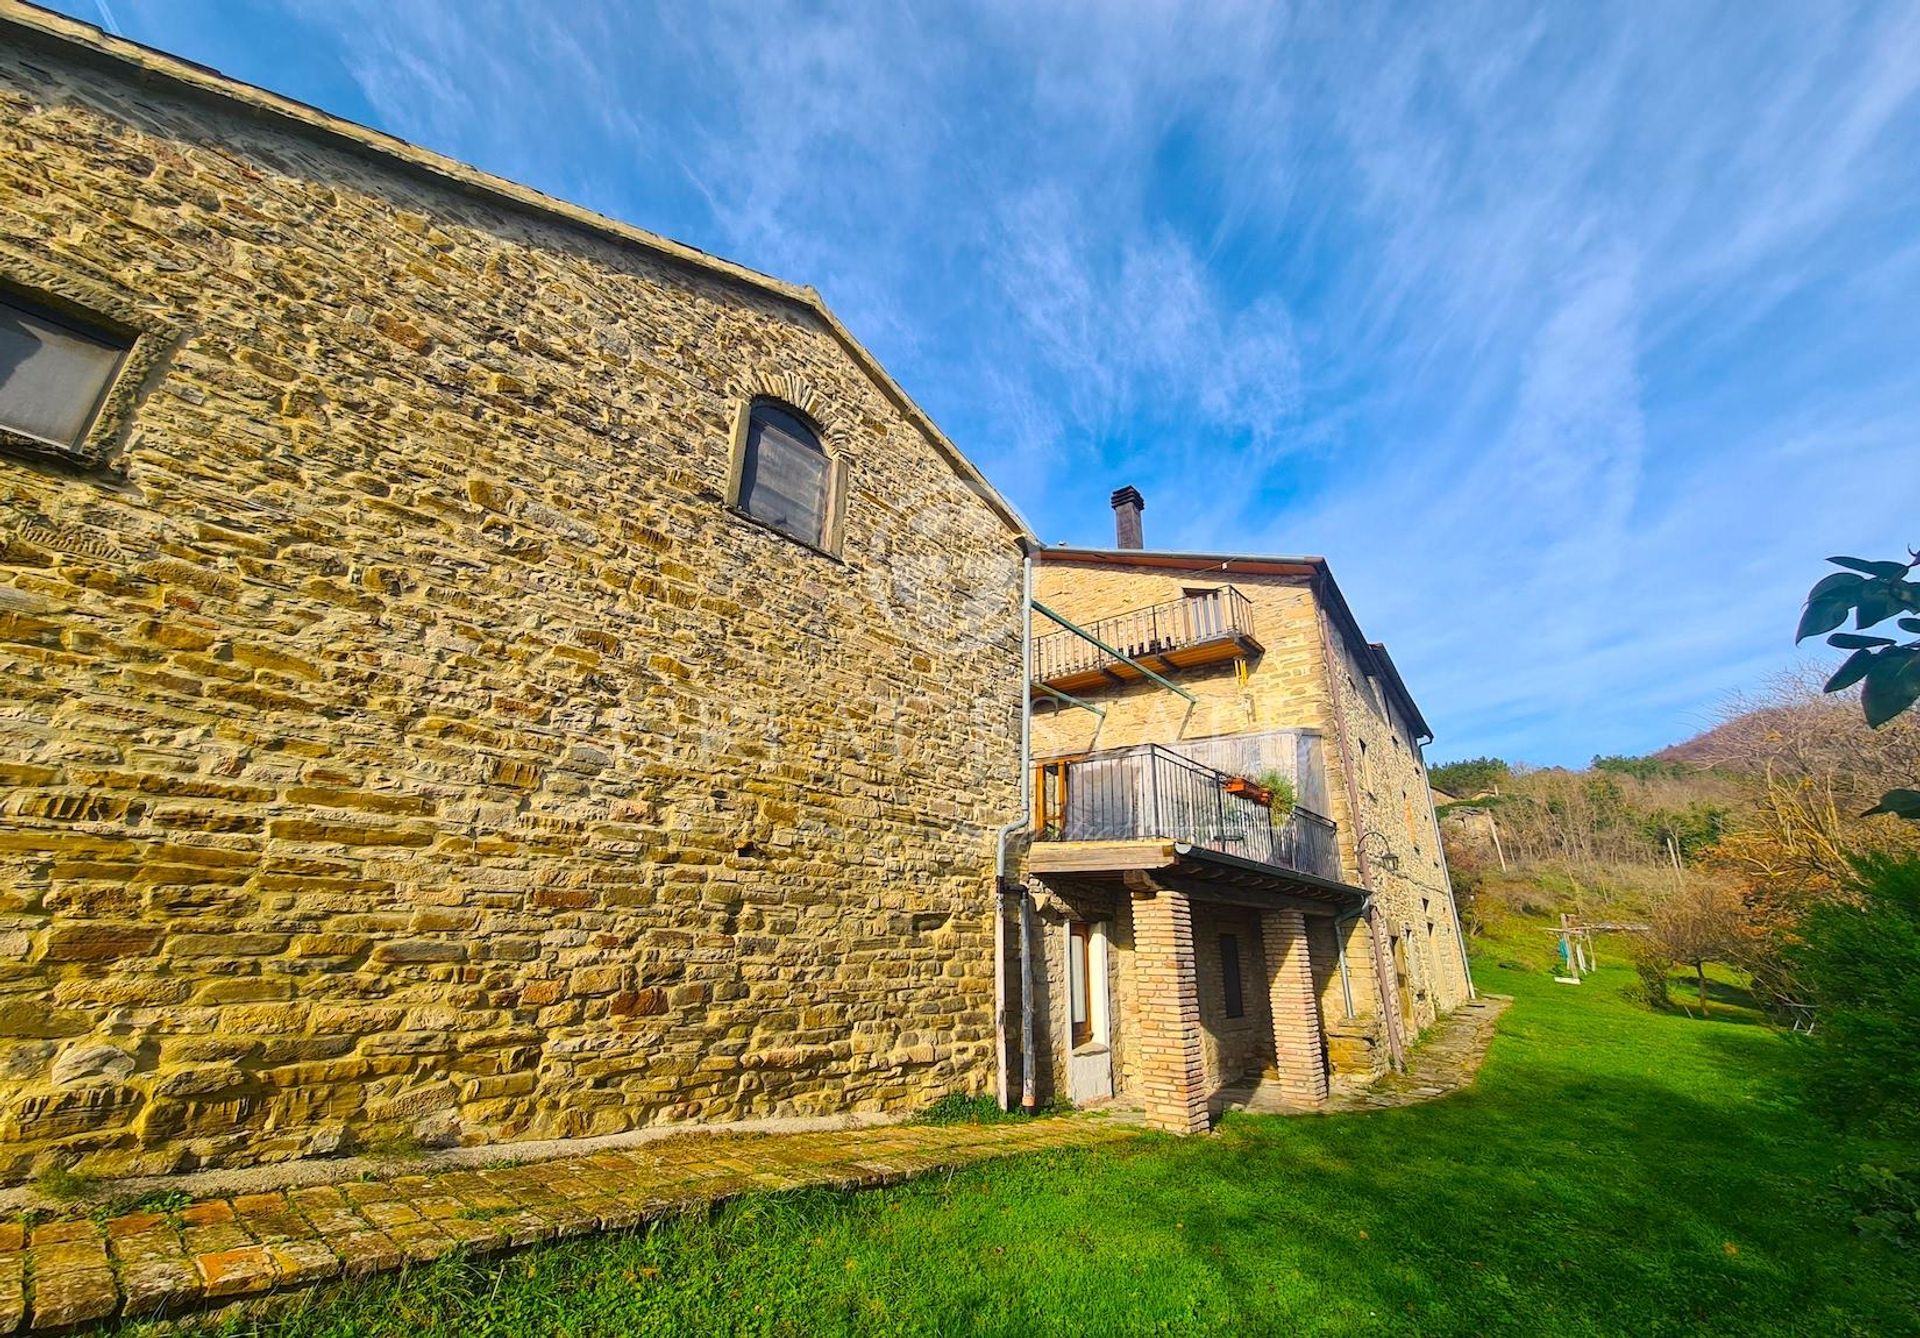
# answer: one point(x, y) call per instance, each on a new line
point(1887, 669)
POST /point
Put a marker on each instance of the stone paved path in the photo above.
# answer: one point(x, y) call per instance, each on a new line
point(60, 1273)
point(1444, 1061)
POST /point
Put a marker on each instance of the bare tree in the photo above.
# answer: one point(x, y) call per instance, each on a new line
point(1700, 921)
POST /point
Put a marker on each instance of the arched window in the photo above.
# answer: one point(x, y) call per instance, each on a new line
point(786, 476)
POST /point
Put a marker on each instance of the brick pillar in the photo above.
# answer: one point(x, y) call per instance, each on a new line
point(1172, 1067)
point(1299, 1044)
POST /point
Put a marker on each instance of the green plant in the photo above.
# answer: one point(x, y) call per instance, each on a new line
point(1651, 968)
point(63, 1184)
point(472, 1214)
point(397, 1147)
point(1887, 669)
point(168, 1201)
point(1885, 1203)
point(1280, 786)
point(1859, 959)
point(960, 1108)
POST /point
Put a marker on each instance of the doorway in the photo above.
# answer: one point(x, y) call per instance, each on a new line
point(1403, 981)
point(1089, 1019)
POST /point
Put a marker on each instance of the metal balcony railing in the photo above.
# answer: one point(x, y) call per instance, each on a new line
point(1194, 620)
point(1151, 792)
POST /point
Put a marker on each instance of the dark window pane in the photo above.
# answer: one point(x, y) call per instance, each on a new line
point(53, 374)
point(783, 480)
point(1230, 975)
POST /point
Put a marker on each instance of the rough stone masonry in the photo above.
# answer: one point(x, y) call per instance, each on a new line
point(400, 737)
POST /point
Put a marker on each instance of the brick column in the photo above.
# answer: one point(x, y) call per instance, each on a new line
point(1299, 1044)
point(1172, 1067)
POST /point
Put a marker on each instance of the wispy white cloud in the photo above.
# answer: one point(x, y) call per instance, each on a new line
point(1574, 336)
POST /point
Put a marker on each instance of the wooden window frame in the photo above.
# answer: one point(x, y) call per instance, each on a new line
point(1080, 954)
point(833, 523)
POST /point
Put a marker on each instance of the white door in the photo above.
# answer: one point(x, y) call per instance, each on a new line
point(1090, 1053)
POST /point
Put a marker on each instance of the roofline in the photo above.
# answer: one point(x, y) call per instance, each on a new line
point(43, 28)
point(1315, 569)
point(1197, 563)
point(1391, 672)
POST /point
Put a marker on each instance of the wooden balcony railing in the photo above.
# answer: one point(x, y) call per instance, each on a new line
point(1151, 792)
point(1196, 629)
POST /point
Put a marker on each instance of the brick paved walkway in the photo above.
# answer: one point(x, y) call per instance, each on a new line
point(1444, 1061)
point(148, 1263)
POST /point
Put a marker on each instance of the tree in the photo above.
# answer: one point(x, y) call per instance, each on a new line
point(1699, 922)
point(1474, 776)
point(1887, 669)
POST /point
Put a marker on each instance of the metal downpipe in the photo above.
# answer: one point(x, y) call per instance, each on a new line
point(1001, 839)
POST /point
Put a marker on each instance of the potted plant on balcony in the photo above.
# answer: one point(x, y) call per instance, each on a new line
point(1249, 789)
point(1273, 791)
point(1281, 797)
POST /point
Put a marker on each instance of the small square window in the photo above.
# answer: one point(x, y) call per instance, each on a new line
point(56, 371)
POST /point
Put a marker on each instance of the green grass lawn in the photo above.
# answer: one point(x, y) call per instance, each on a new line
point(1614, 1171)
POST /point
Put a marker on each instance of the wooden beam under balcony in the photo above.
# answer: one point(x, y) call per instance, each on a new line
point(1232, 647)
point(1100, 856)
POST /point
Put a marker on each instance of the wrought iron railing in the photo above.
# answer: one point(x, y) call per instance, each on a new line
point(1150, 791)
point(1192, 621)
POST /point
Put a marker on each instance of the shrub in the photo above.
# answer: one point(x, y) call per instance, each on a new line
point(1651, 967)
point(1859, 959)
point(1885, 1203)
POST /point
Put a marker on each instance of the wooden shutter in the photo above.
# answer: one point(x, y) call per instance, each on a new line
point(785, 476)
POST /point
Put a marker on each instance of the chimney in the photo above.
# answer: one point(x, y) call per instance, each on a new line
point(1127, 506)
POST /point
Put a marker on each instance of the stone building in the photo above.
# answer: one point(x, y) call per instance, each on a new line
point(1193, 940)
point(469, 669)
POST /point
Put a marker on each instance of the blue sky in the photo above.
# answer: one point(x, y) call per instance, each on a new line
point(1573, 335)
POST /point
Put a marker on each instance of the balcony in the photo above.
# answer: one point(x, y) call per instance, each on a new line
point(1123, 800)
point(1199, 629)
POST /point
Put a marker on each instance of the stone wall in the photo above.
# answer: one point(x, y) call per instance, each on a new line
point(1389, 774)
point(402, 740)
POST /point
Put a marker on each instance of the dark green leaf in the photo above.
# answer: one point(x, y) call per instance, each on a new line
point(1834, 584)
point(1874, 605)
point(1891, 571)
point(1889, 689)
point(1822, 615)
point(1851, 672)
point(1899, 803)
point(1854, 641)
point(1909, 624)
